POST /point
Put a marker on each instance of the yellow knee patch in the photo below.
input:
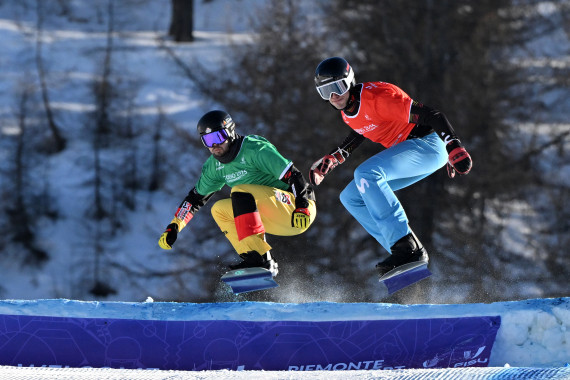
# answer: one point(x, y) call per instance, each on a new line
point(255, 243)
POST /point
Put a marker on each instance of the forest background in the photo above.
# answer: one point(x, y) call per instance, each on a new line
point(99, 102)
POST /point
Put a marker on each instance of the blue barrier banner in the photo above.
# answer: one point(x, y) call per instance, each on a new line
point(244, 345)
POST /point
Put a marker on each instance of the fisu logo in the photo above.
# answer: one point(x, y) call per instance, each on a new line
point(470, 355)
point(363, 183)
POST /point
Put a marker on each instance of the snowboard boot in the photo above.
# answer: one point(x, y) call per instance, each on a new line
point(406, 250)
point(252, 259)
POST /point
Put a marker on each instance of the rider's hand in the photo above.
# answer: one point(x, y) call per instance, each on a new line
point(459, 161)
point(323, 166)
point(169, 236)
point(301, 218)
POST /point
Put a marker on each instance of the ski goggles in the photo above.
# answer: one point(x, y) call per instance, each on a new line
point(339, 87)
point(216, 137)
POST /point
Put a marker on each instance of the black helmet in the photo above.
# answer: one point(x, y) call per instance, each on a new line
point(216, 121)
point(333, 75)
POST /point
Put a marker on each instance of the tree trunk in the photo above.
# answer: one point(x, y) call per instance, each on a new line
point(59, 141)
point(181, 23)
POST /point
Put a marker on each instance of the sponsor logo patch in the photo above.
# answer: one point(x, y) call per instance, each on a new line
point(362, 186)
point(232, 177)
point(283, 197)
point(184, 213)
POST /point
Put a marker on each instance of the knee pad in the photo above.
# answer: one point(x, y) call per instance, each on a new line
point(243, 203)
point(246, 216)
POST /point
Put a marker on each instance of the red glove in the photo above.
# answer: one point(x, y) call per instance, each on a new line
point(325, 165)
point(459, 161)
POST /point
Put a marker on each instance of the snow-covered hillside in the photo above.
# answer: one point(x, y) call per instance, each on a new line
point(73, 41)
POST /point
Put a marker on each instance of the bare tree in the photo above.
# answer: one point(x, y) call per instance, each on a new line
point(182, 21)
point(103, 90)
point(543, 133)
point(20, 220)
point(58, 140)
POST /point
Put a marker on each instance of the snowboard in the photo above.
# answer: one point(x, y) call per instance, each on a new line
point(249, 280)
point(405, 275)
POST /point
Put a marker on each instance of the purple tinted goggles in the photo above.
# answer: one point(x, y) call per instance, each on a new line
point(217, 137)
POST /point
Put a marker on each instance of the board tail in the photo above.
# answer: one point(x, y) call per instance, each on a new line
point(249, 280)
point(405, 275)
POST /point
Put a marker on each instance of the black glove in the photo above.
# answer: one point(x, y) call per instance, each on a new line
point(169, 236)
point(459, 161)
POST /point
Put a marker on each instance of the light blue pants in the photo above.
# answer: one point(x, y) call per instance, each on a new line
point(370, 196)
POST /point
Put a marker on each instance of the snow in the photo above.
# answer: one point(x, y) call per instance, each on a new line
point(409, 374)
point(72, 50)
point(533, 334)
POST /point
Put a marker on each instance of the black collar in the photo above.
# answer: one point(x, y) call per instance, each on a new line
point(235, 147)
point(353, 103)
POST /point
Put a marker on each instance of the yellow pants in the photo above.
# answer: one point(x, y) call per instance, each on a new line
point(275, 208)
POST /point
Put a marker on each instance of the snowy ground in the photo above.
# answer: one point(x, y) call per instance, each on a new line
point(410, 374)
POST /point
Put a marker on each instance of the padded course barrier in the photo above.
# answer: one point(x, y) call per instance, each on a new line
point(252, 336)
point(239, 345)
